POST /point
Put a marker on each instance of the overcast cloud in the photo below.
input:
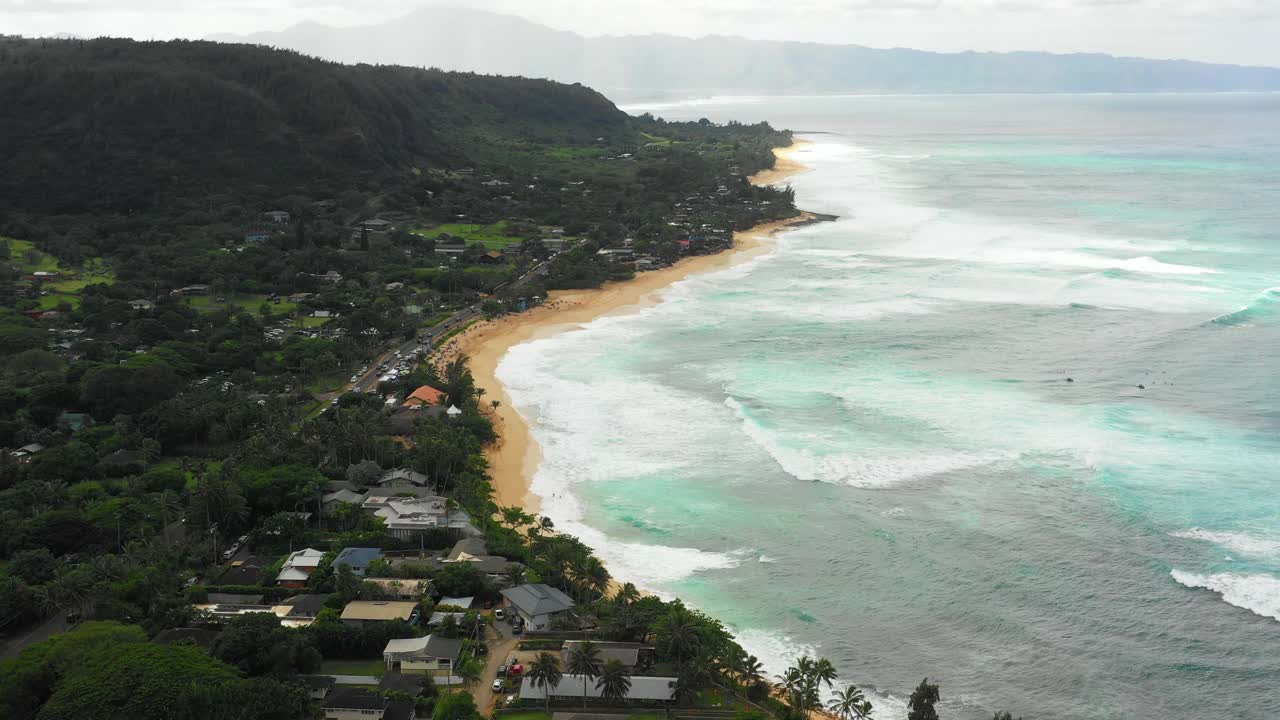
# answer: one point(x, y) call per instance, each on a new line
point(1239, 31)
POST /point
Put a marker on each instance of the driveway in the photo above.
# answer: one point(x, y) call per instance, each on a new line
point(502, 644)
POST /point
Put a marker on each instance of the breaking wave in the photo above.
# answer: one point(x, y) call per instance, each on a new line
point(1259, 594)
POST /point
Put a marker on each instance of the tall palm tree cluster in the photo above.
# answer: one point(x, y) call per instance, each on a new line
point(611, 677)
point(559, 560)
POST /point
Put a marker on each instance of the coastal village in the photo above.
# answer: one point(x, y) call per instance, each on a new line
point(394, 573)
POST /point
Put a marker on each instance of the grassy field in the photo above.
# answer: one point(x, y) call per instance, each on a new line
point(52, 300)
point(251, 303)
point(314, 322)
point(493, 236)
point(375, 667)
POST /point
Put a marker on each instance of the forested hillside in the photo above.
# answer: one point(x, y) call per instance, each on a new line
point(125, 127)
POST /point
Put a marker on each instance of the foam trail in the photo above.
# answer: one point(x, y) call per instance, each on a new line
point(1259, 594)
point(1242, 543)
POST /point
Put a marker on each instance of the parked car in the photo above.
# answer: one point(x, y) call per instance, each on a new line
point(502, 671)
point(499, 614)
point(497, 686)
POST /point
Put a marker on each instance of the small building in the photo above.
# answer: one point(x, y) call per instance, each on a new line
point(450, 248)
point(318, 687)
point(74, 422)
point(377, 225)
point(141, 304)
point(361, 612)
point(432, 654)
point(298, 567)
point(407, 518)
point(304, 607)
point(332, 276)
point(402, 478)
point(425, 396)
point(26, 452)
point(493, 257)
point(645, 688)
point(453, 412)
point(393, 286)
point(257, 235)
point(279, 217)
point(300, 297)
point(330, 501)
point(631, 655)
point(358, 559)
point(355, 704)
point(192, 290)
point(538, 605)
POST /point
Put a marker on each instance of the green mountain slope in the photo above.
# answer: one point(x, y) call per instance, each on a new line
point(126, 127)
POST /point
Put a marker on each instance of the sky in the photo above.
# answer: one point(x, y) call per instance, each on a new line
point(1232, 31)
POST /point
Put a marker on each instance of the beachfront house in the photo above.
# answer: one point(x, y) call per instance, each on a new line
point(643, 688)
point(407, 518)
point(538, 605)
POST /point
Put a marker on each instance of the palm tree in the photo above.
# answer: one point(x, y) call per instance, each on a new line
point(851, 704)
point(824, 671)
point(470, 671)
point(751, 672)
point(584, 660)
point(544, 673)
point(516, 574)
point(682, 637)
point(627, 594)
point(614, 684)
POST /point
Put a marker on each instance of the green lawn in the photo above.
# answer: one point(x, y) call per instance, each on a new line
point(375, 667)
point(28, 259)
point(711, 698)
point(251, 303)
point(52, 300)
point(314, 322)
point(492, 236)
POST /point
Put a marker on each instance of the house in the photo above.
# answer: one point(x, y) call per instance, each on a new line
point(631, 655)
point(450, 248)
point(432, 654)
point(457, 602)
point(318, 687)
point(355, 704)
point(332, 276)
point(361, 612)
point(192, 290)
point(298, 567)
point(324, 314)
point(304, 607)
point(256, 235)
point(401, 588)
point(405, 518)
point(392, 286)
point(474, 551)
point(141, 304)
point(425, 396)
point(358, 559)
point(402, 478)
point(278, 217)
point(26, 452)
point(377, 225)
point(493, 257)
point(409, 684)
point(438, 618)
point(330, 501)
point(301, 297)
point(653, 689)
point(538, 605)
point(404, 420)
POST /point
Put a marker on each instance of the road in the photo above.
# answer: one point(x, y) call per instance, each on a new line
point(45, 630)
point(501, 645)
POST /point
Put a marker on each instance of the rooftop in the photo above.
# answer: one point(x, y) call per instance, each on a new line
point(357, 558)
point(643, 687)
point(379, 610)
point(534, 600)
point(355, 699)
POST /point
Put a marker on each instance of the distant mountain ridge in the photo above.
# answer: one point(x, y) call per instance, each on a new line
point(638, 66)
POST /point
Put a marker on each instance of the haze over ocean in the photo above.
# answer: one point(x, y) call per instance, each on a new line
point(913, 440)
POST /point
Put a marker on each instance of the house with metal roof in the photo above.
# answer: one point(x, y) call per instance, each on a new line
point(538, 605)
point(432, 654)
point(643, 687)
point(358, 559)
point(298, 567)
point(360, 612)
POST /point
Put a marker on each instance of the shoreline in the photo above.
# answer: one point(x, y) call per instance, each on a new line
point(516, 457)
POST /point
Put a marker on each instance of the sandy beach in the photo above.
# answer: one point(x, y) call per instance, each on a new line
point(516, 456)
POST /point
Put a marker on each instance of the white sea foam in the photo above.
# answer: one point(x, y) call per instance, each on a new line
point(881, 470)
point(1258, 546)
point(1257, 593)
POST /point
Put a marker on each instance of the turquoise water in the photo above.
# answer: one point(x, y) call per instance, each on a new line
point(913, 440)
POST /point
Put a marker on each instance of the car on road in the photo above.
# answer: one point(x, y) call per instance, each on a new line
point(497, 686)
point(498, 614)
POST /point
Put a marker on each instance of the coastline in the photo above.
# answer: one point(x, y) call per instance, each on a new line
point(515, 458)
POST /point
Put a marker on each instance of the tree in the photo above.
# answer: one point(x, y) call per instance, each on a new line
point(614, 683)
point(923, 698)
point(584, 660)
point(544, 673)
point(470, 671)
point(851, 704)
point(259, 645)
point(1003, 715)
point(751, 672)
point(455, 706)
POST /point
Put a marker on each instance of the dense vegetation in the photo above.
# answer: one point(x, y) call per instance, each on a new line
point(148, 426)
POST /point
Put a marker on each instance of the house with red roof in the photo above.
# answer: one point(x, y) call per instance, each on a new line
point(425, 396)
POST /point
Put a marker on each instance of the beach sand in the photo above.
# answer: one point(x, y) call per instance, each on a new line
point(515, 458)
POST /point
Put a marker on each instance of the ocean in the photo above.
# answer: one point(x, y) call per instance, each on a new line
point(1011, 423)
